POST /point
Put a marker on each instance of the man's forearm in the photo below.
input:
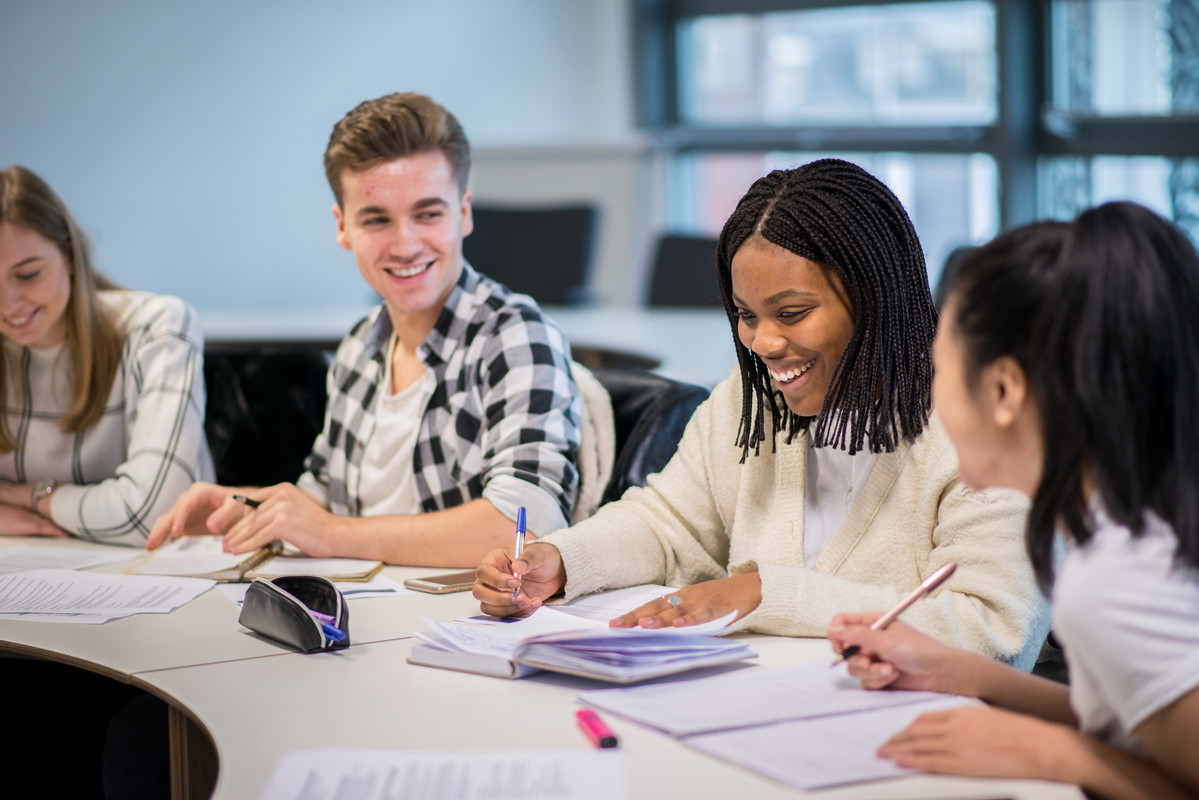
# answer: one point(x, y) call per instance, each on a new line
point(456, 537)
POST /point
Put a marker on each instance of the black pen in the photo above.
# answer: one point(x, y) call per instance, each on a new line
point(930, 583)
point(241, 498)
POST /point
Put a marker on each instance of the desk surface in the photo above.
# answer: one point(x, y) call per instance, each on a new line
point(259, 702)
point(692, 345)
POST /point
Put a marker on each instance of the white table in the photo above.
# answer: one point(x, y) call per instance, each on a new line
point(255, 701)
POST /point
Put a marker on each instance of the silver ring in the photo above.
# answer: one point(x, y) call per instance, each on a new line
point(674, 600)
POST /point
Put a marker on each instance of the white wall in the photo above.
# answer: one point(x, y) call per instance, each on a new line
point(187, 136)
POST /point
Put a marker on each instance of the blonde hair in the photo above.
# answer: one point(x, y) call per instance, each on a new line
point(95, 338)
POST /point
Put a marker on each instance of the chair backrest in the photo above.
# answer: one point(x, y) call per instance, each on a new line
point(683, 272)
point(545, 251)
point(265, 408)
point(649, 413)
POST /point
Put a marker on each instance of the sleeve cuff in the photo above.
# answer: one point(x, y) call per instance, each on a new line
point(508, 494)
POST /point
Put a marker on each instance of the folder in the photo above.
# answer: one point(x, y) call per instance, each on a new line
point(202, 557)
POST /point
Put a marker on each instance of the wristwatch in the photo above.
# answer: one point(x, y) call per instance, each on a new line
point(43, 488)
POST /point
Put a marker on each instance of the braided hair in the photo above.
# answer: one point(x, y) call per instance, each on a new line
point(841, 217)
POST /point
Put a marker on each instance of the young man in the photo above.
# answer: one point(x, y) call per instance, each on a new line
point(450, 406)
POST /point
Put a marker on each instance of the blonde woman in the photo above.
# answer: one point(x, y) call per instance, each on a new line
point(102, 388)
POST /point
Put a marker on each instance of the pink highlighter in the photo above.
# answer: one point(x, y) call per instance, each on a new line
point(599, 733)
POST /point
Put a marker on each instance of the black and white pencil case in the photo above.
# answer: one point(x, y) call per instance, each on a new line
point(303, 612)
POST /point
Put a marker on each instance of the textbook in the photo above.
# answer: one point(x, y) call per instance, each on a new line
point(202, 557)
point(575, 639)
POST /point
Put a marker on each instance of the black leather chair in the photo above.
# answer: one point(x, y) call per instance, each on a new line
point(649, 413)
point(265, 408)
point(542, 251)
point(683, 272)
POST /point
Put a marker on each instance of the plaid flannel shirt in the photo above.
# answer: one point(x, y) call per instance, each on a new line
point(505, 403)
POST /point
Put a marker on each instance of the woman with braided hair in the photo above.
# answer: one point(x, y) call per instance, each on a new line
point(816, 480)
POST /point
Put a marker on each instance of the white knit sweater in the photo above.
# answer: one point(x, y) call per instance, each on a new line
point(707, 516)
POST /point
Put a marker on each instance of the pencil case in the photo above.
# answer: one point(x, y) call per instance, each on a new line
point(281, 610)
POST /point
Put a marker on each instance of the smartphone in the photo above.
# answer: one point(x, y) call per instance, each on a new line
point(443, 584)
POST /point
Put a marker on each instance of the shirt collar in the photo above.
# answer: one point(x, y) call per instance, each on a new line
point(458, 309)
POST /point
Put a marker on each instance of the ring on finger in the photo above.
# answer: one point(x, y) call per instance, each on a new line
point(674, 600)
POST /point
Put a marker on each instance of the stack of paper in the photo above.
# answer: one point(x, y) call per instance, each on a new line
point(808, 726)
point(57, 595)
point(576, 639)
point(331, 774)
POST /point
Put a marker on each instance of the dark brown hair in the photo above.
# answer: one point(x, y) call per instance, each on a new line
point(392, 127)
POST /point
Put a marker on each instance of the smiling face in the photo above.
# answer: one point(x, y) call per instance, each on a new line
point(795, 316)
point(404, 220)
point(35, 288)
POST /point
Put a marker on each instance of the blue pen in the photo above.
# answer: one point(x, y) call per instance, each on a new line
point(520, 542)
point(331, 631)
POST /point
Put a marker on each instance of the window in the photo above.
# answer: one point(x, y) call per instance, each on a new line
point(980, 115)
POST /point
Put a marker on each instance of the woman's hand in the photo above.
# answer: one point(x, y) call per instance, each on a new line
point(700, 602)
point(898, 657)
point(20, 521)
point(195, 514)
point(982, 742)
point(539, 573)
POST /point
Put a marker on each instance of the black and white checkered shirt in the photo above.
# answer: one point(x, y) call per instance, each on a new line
point(504, 407)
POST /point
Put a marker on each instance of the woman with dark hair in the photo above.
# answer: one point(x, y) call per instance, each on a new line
point(102, 389)
point(816, 479)
point(1067, 367)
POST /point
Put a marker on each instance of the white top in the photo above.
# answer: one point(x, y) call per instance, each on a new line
point(1128, 622)
point(833, 479)
point(129, 467)
point(388, 483)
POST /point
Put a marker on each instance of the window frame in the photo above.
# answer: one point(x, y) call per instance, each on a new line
point(1025, 129)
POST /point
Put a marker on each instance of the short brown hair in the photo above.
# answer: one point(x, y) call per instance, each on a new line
point(392, 127)
point(94, 338)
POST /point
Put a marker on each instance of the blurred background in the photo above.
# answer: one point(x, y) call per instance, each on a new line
point(187, 137)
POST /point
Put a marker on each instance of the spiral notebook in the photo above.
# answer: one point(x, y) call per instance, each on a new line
point(202, 557)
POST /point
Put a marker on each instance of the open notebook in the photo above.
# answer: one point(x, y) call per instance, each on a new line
point(805, 725)
point(202, 557)
point(575, 639)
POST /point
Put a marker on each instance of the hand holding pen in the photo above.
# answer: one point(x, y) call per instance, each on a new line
point(520, 544)
point(900, 656)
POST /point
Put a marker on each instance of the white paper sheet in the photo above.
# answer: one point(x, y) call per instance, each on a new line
point(189, 555)
point(500, 637)
point(55, 595)
point(747, 698)
point(814, 753)
point(333, 774)
point(24, 557)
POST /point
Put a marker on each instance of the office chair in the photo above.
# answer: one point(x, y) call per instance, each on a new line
point(543, 251)
point(265, 408)
point(683, 272)
point(649, 413)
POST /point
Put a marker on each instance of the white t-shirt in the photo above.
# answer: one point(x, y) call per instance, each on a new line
point(1128, 621)
point(833, 479)
point(387, 480)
